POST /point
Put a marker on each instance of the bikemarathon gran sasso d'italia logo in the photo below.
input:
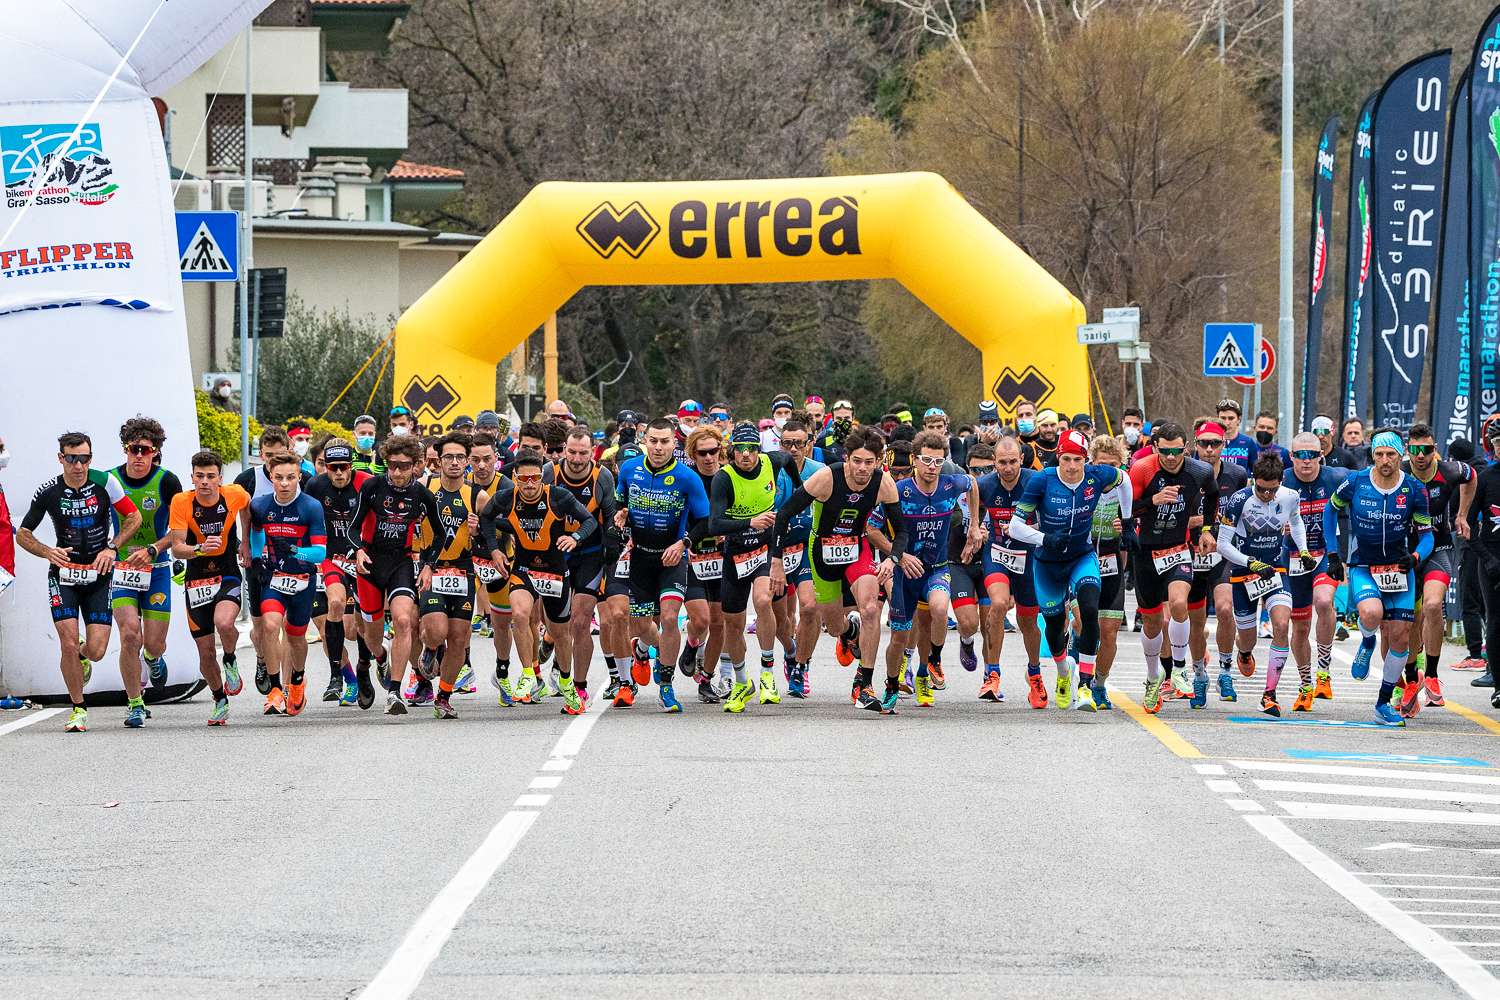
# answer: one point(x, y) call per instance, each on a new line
point(38, 160)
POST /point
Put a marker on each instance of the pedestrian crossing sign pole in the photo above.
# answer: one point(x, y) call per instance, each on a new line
point(208, 246)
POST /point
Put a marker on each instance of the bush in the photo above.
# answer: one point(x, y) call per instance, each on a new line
point(220, 429)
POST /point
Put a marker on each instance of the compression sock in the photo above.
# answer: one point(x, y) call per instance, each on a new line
point(1225, 659)
point(298, 677)
point(1151, 646)
point(1325, 657)
point(1304, 671)
point(1200, 668)
point(1430, 670)
point(935, 656)
point(613, 666)
point(739, 672)
point(365, 656)
point(1178, 634)
point(922, 669)
point(1410, 670)
point(333, 644)
point(502, 667)
point(1394, 663)
point(1086, 669)
point(1273, 667)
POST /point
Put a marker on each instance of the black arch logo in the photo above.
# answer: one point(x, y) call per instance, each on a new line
point(608, 229)
point(434, 395)
point(1012, 388)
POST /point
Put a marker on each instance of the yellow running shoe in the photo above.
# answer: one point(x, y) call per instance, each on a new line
point(1064, 688)
point(739, 697)
point(924, 691)
point(768, 693)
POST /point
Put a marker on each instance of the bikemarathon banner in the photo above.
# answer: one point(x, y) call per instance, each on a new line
point(1317, 270)
point(1484, 216)
point(1358, 294)
point(1407, 140)
point(1452, 361)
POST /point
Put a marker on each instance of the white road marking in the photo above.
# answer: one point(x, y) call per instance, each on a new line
point(1366, 772)
point(403, 971)
point(1386, 814)
point(1466, 927)
point(1423, 848)
point(546, 781)
point(1211, 769)
point(1425, 885)
point(1463, 969)
point(1447, 913)
point(1245, 805)
point(1375, 791)
point(30, 719)
point(1224, 787)
point(1447, 899)
point(1487, 878)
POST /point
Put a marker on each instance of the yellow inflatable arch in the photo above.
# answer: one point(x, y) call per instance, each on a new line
point(912, 227)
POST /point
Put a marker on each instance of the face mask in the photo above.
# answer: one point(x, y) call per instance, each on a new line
point(1025, 426)
point(401, 430)
point(4, 459)
point(1132, 435)
point(224, 391)
point(364, 442)
point(1263, 437)
point(780, 422)
point(300, 447)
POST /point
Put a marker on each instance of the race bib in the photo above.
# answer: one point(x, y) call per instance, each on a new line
point(200, 592)
point(1109, 564)
point(1166, 560)
point(450, 580)
point(622, 566)
point(318, 584)
point(747, 563)
point(1389, 579)
point(487, 571)
point(344, 565)
point(545, 584)
point(289, 583)
point(1011, 560)
point(1257, 587)
point(73, 575)
point(1203, 564)
point(839, 550)
point(1302, 567)
point(707, 565)
point(791, 559)
point(5, 581)
point(131, 578)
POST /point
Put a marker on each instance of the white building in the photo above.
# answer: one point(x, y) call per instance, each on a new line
point(329, 178)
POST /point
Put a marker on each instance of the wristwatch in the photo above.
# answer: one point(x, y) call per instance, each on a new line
point(154, 552)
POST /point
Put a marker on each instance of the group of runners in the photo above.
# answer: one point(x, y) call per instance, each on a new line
point(660, 539)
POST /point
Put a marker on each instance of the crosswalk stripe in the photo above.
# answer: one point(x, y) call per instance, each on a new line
point(1375, 791)
point(1487, 878)
point(1386, 814)
point(1366, 772)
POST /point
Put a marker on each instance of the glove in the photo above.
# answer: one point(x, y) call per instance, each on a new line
point(1405, 562)
point(1335, 567)
point(1055, 544)
point(1263, 570)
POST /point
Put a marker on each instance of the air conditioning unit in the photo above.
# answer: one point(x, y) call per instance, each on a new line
point(230, 196)
point(193, 194)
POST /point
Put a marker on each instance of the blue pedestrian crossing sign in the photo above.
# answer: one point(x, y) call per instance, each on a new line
point(1228, 349)
point(208, 245)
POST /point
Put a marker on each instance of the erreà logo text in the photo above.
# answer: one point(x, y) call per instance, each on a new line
point(740, 228)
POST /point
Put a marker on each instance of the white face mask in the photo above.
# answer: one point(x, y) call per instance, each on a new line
point(225, 390)
point(780, 422)
point(1132, 435)
point(300, 447)
point(401, 430)
point(4, 459)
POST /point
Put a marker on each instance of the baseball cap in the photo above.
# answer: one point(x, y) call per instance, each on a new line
point(1073, 443)
point(338, 453)
point(690, 408)
point(1083, 420)
point(1047, 417)
point(461, 422)
point(627, 417)
point(400, 411)
point(1322, 425)
point(904, 416)
point(989, 413)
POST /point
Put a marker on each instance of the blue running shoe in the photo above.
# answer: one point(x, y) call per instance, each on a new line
point(350, 695)
point(1226, 687)
point(669, 702)
point(794, 683)
point(1360, 668)
point(1200, 691)
point(1387, 715)
point(136, 717)
point(888, 702)
point(158, 670)
point(1101, 698)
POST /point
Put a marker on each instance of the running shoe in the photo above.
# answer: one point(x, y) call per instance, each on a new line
point(484, 629)
point(1037, 696)
point(967, 658)
point(158, 668)
point(768, 693)
point(275, 703)
point(844, 650)
point(807, 680)
point(1151, 701)
point(545, 653)
point(1101, 698)
point(888, 703)
point(476, 625)
point(1385, 715)
point(1182, 680)
point(1323, 686)
point(233, 683)
point(989, 690)
point(794, 681)
point(466, 682)
point(1304, 701)
point(572, 704)
point(908, 680)
point(88, 668)
point(219, 714)
point(706, 693)
point(924, 692)
point(1360, 668)
point(1065, 686)
point(865, 698)
point(1247, 663)
point(422, 694)
point(1470, 663)
point(1226, 687)
point(442, 708)
point(611, 689)
point(366, 687)
point(669, 702)
point(335, 687)
point(858, 691)
point(135, 718)
point(1268, 705)
point(939, 679)
point(1434, 691)
point(262, 679)
point(1200, 690)
point(640, 664)
point(625, 697)
point(524, 689)
point(349, 695)
point(296, 697)
point(429, 663)
point(1084, 701)
point(687, 660)
point(722, 685)
point(507, 696)
point(1495, 700)
point(739, 697)
point(1340, 632)
point(394, 703)
point(78, 720)
point(1411, 699)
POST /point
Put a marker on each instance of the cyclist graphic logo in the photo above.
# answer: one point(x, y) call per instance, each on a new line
point(41, 160)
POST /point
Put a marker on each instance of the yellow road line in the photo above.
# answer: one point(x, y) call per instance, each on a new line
point(1475, 717)
point(1156, 727)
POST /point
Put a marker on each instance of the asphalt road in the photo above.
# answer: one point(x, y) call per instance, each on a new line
point(802, 850)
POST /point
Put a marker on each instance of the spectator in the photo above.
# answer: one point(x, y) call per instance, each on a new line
point(558, 410)
point(1132, 428)
point(1470, 585)
point(1265, 437)
point(222, 395)
point(1238, 448)
point(1352, 436)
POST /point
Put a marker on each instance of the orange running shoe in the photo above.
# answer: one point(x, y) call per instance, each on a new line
point(990, 689)
point(1304, 702)
point(858, 690)
point(1269, 706)
point(846, 651)
point(1434, 691)
point(640, 666)
point(1247, 663)
point(1037, 696)
point(275, 702)
point(1323, 686)
point(939, 679)
point(296, 698)
point(1411, 698)
point(625, 697)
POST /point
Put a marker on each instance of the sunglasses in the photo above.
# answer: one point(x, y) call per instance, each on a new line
point(399, 466)
point(1210, 442)
point(78, 459)
point(554, 451)
point(141, 449)
point(1421, 449)
point(530, 477)
point(745, 447)
point(706, 452)
point(338, 466)
point(1306, 454)
point(793, 443)
point(719, 418)
point(979, 470)
point(1265, 491)
point(1170, 451)
point(931, 461)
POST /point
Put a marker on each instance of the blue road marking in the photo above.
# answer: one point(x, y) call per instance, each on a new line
point(1386, 758)
point(1325, 723)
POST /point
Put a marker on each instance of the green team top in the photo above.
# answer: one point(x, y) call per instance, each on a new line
point(152, 496)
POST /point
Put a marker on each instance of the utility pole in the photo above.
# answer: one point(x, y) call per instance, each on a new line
point(247, 365)
point(1286, 333)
